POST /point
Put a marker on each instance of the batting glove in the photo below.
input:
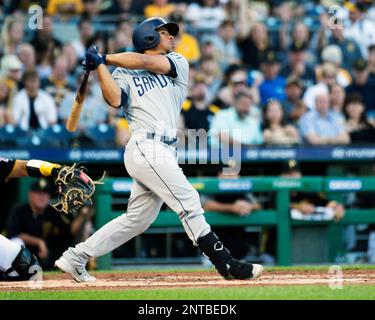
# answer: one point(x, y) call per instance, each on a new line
point(88, 66)
point(93, 58)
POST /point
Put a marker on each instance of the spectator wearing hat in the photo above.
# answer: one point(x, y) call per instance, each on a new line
point(297, 66)
point(322, 126)
point(363, 86)
point(186, 44)
point(11, 74)
point(197, 112)
point(332, 54)
point(33, 108)
point(237, 82)
point(64, 7)
point(293, 105)
point(309, 205)
point(224, 42)
point(240, 204)
point(301, 35)
point(275, 129)
point(359, 28)
point(349, 47)
point(11, 71)
point(273, 85)
point(38, 226)
point(328, 78)
point(237, 125)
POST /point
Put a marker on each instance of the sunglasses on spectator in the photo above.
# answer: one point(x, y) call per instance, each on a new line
point(239, 82)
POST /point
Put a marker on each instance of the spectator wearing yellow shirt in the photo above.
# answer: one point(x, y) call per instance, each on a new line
point(186, 44)
point(64, 7)
point(159, 8)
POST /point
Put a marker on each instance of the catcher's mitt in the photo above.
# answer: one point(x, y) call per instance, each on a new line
point(75, 189)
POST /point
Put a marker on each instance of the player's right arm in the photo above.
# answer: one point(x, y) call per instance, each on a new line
point(111, 91)
point(158, 63)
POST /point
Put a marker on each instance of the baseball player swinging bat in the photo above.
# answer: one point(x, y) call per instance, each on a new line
point(150, 86)
point(75, 113)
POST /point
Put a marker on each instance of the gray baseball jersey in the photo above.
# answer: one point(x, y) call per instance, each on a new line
point(154, 101)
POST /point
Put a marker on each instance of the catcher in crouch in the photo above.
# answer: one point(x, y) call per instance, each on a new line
point(75, 189)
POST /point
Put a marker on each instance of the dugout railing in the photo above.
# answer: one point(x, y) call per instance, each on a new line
point(107, 196)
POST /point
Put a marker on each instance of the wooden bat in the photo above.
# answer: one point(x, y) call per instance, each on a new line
point(75, 113)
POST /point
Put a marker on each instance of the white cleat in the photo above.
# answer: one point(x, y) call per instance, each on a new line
point(78, 273)
point(257, 271)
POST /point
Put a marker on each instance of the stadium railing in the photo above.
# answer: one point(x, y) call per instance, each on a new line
point(278, 217)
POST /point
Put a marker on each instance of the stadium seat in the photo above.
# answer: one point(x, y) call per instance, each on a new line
point(57, 135)
point(9, 135)
point(36, 140)
point(102, 136)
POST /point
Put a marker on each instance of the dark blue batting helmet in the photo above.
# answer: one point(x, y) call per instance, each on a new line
point(145, 35)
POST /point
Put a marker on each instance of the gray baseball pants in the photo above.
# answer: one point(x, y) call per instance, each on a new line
point(157, 178)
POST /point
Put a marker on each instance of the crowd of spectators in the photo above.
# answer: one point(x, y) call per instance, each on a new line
point(265, 72)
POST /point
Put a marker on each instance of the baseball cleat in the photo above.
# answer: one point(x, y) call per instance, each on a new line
point(243, 270)
point(257, 271)
point(78, 273)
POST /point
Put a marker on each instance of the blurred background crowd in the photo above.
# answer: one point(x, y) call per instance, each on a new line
point(281, 72)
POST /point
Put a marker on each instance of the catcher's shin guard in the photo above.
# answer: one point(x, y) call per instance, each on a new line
point(24, 267)
point(225, 264)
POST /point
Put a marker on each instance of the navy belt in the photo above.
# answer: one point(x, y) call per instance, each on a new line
point(163, 139)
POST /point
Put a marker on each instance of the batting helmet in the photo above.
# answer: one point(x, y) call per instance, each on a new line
point(145, 35)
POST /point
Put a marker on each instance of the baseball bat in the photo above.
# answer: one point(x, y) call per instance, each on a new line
point(75, 113)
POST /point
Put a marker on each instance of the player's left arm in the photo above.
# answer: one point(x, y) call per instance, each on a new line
point(33, 168)
point(159, 64)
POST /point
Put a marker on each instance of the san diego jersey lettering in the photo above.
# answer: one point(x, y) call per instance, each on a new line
point(154, 100)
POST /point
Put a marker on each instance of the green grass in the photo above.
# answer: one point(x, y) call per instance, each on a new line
point(308, 292)
point(304, 292)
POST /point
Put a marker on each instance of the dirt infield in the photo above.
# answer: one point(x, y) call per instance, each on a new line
point(158, 280)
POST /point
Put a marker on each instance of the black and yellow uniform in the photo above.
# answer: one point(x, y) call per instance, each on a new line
point(50, 226)
point(198, 119)
point(6, 167)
